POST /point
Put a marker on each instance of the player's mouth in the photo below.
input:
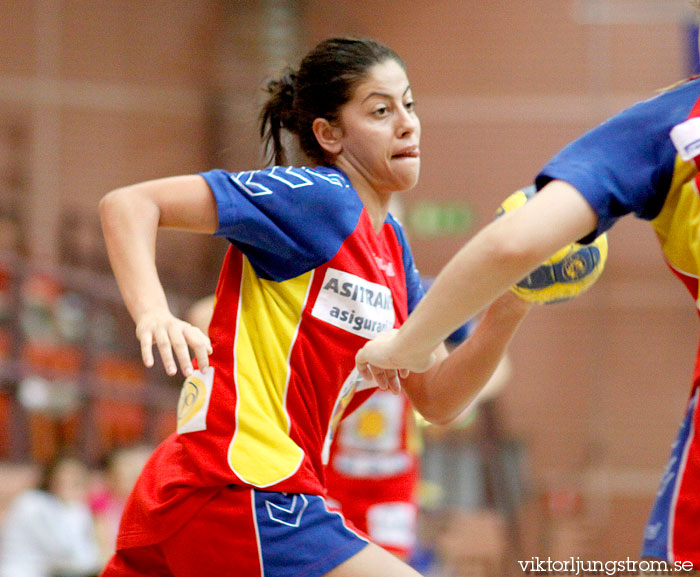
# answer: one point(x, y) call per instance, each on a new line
point(408, 152)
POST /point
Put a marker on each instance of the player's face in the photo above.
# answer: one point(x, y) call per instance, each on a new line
point(381, 131)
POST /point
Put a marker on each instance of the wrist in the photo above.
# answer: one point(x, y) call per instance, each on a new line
point(409, 349)
point(149, 310)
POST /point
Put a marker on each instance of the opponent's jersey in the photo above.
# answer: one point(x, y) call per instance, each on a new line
point(305, 283)
point(630, 164)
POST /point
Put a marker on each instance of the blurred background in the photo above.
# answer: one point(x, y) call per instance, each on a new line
point(566, 459)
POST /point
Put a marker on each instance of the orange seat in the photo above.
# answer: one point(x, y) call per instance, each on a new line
point(120, 402)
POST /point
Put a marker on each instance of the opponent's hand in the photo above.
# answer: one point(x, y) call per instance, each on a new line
point(380, 361)
point(172, 335)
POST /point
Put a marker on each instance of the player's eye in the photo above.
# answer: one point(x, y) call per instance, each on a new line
point(381, 111)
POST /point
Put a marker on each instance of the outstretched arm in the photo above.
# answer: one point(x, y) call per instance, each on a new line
point(498, 256)
point(130, 219)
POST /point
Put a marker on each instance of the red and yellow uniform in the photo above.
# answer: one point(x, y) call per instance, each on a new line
point(305, 283)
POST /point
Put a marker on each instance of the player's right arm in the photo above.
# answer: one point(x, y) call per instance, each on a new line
point(130, 219)
point(498, 256)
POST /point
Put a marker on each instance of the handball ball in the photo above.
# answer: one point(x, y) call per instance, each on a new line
point(567, 273)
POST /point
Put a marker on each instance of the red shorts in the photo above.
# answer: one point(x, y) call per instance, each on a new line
point(248, 533)
point(384, 509)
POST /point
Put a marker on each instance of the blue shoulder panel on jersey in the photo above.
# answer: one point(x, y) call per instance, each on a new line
point(626, 164)
point(286, 220)
point(414, 288)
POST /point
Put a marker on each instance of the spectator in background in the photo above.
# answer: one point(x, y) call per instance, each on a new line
point(107, 502)
point(49, 531)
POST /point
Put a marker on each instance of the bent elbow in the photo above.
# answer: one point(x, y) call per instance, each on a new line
point(438, 414)
point(112, 204)
point(124, 206)
point(438, 420)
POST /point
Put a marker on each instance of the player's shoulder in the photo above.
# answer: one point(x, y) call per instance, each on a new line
point(286, 218)
point(299, 196)
point(302, 181)
point(672, 103)
point(646, 122)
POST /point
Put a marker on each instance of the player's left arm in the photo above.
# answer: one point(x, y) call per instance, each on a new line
point(449, 386)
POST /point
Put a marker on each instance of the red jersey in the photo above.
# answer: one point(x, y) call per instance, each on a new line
point(374, 471)
point(306, 282)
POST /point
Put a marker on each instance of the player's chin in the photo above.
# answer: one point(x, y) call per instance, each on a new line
point(407, 176)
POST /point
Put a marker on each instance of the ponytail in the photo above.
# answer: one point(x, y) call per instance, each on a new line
point(276, 114)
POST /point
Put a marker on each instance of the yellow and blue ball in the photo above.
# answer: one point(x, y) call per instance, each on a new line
point(567, 273)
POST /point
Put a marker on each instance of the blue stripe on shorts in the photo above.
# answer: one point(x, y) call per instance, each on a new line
point(298, 535)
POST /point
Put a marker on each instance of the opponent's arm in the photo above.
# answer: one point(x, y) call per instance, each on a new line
point(443, 392)
point(499, 255)
point(130, 219)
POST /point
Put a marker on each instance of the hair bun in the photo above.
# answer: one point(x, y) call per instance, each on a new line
point(285, 89)
point(282, 92)
point(288, 83)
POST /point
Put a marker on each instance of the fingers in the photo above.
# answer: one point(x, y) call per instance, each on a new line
point(363, 369)
point(174, 339)
point(200, 345)
point(385, 379)
point(162, 338)
point(178, 344)
point(392, 378)
point(146, 341)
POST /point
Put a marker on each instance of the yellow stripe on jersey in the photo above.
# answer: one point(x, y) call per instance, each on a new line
point(678, 223)
point(261, 452)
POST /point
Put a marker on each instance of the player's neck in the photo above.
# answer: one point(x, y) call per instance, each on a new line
point(376, 205)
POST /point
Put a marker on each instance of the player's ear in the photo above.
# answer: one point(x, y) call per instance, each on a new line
point(328, 136)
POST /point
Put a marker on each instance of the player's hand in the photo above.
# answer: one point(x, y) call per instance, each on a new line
point(381, 361)
point(174, 339)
